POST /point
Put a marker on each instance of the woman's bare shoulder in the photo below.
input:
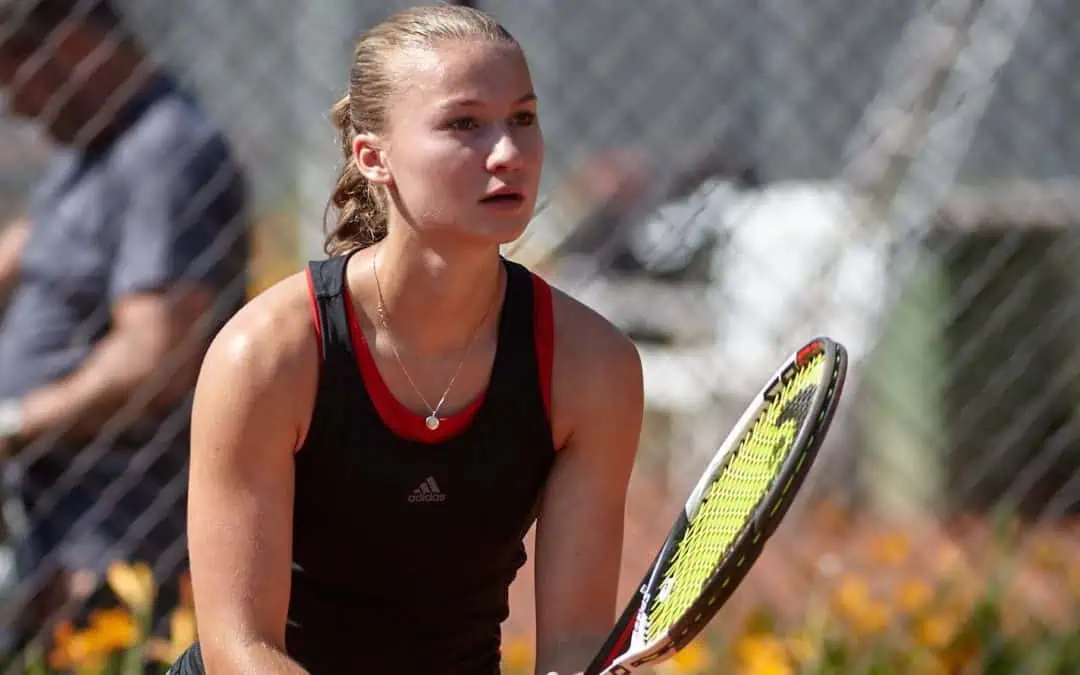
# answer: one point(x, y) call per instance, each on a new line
point(270, 344)
point(597, 367)
point(587, 337)
point(276, 325)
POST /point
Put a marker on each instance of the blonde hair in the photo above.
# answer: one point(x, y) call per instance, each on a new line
point(361, 206)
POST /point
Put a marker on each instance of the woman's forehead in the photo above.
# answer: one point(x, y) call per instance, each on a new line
point(463, 72)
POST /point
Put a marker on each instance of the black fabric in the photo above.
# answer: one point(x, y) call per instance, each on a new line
point(189, 663)
point(413, 586)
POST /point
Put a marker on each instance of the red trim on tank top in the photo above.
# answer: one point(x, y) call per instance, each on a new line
point(544, 327)
point(395, 415)
point(315, 312)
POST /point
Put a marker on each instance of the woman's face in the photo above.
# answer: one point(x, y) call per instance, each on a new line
point(463, 149)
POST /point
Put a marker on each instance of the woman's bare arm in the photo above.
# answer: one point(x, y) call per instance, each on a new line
point(252, 404)
point(598, 407)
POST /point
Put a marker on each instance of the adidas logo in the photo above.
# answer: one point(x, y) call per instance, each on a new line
point(427, 492)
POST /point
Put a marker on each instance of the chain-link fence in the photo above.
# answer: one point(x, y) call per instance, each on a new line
point(725, 179)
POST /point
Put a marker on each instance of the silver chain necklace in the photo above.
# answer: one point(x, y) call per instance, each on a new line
point(432, 421)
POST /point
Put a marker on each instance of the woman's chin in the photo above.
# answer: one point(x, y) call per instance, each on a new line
point(500, 231)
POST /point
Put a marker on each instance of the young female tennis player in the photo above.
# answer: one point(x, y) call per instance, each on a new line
point(373, 438)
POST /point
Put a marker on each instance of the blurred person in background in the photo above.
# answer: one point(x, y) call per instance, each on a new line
point(619, 228)
point(678, 236)
point(620, 209)
point(133, 252)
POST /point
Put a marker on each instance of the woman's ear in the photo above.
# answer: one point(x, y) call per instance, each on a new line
point(370, 159)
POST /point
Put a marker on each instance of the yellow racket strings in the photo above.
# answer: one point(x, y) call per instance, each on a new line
point(732, 497)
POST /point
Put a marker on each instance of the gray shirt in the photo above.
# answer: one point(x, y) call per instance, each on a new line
point(161, 201)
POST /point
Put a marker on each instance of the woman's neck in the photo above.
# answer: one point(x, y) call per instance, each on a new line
point(434, 298)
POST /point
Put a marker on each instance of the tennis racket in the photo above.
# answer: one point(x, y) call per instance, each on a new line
point(733, 510)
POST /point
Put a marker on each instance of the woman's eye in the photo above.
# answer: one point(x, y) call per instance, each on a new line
point(462, 124)
point(525, 119)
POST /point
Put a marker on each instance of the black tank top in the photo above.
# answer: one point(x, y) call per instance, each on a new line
point(405, 540)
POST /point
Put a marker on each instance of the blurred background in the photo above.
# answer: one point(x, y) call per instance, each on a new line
point(725, 180)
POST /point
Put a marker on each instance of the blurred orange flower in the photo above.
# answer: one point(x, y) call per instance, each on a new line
point(109, 631)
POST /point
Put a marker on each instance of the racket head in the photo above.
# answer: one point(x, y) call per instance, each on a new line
point(738, 502)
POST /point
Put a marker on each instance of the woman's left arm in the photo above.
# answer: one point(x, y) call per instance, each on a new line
point(597, 411)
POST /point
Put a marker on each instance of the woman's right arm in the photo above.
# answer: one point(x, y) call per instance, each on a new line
point(252, 403)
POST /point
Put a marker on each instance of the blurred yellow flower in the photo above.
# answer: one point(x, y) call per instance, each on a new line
point(182, 633)
point(114, 628)
point(935, 631)
point(691, 660)
point(182, 626)
point(890, 548)
point(133, 584)
point(109, 631)
point(854, 602)
point(74, 649)
point(517, 655)
point(913, 596)
point(759, 654)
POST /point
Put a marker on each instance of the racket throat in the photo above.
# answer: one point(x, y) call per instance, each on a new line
point(654, 589)
point(639, 636)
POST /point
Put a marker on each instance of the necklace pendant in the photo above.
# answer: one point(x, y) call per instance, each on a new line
point(432, 422)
